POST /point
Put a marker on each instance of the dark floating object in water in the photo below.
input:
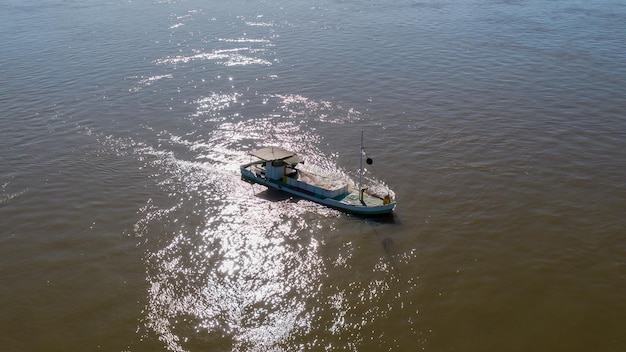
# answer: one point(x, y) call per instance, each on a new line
point(369, 161)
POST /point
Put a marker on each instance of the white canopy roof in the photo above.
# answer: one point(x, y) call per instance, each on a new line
point(276, 153)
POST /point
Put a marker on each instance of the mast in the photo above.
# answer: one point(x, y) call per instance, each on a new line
point(361, 172)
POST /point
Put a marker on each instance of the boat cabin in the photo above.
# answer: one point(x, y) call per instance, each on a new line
point(279, 165)
point(278, 162)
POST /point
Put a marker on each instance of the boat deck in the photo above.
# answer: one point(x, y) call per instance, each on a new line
point(316, 186)
point(318, 180)
point(352, 198)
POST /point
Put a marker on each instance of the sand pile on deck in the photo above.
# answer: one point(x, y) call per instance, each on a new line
point(320, 181)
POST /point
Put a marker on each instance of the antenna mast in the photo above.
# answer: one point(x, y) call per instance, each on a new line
point(361, 173)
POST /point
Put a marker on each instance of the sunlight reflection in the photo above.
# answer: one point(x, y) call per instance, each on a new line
point(243, 277)
point(237, 273)
point(215, 102)
point(228, 57)
point(233, 263)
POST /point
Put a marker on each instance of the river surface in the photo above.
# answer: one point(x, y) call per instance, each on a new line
point(500, 125)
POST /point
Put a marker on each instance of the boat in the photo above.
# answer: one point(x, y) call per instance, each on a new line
point(277, 168)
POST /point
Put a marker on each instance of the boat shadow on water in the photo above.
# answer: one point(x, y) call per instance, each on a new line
point(378, 219)
point(275, 195)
